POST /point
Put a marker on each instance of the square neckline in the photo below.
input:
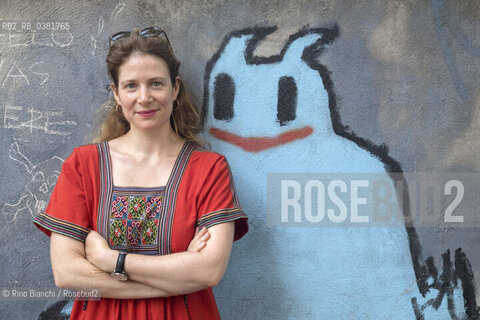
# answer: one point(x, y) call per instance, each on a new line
point(138, 188)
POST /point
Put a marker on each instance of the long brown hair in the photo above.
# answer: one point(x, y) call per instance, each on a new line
point(185, 119)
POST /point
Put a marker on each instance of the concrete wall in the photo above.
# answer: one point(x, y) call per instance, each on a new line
point(284, 87)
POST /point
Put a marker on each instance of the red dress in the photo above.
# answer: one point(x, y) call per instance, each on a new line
point(159, 221)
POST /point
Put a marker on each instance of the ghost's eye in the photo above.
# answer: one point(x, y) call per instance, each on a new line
point(287, 100)
point(223, 95)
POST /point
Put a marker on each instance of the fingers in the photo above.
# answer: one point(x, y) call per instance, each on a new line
point(199, 241)
point(202, 232)
point(201, 245)
point(204, 236)
point(199, 234)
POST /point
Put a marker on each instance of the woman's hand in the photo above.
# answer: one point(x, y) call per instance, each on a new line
point(99, 253)
point(199, 241)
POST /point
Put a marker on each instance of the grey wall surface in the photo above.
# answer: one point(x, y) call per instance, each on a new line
point(404, 75)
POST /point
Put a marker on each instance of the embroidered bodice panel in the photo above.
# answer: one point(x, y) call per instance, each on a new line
point(134, 219)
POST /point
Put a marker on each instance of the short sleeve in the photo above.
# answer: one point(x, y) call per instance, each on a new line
point(67, 211)
point(218, 202)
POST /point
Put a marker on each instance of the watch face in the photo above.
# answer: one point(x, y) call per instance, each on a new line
point(120, 276)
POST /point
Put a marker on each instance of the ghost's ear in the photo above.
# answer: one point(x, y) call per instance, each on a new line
point(309, 43)
point(236, 48)
point(325, 37)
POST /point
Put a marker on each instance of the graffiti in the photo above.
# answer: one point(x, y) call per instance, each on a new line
point(445, 26)
point(94, 44)
point(46, 75)
point(101, 24)
point(16, 74)
point(60, 39)
point(446, 283)
point(118, 8)
point(60, 310)
point(33, 120)
point(279, 114)
point(44, 176)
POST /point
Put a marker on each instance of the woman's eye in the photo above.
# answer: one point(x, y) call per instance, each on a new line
point(156, 83)
point(130, 86)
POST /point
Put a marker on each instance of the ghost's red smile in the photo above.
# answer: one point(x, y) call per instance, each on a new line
point(257, 144)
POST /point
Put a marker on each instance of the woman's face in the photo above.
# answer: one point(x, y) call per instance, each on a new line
point(145, 92)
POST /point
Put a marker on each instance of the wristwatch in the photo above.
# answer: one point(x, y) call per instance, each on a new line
point(119, 272)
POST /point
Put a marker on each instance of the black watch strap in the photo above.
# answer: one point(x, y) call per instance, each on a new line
point(120, 267)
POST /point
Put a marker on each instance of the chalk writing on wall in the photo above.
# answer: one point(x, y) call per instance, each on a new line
point(34, 121)
point(16, 39)
point(101, 24)
point(37, 191)
point(27, 75)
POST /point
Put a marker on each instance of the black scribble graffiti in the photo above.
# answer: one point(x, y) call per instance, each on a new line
point(453, 275)
point(55, 312)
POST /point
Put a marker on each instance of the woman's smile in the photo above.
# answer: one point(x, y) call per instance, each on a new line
point(147, 113)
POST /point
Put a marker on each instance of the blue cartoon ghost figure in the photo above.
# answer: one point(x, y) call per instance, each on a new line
point(278, 115)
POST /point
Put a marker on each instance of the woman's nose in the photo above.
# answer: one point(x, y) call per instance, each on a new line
point(144, 95)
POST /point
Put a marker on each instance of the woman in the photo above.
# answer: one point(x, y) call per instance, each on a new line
point(123, 215)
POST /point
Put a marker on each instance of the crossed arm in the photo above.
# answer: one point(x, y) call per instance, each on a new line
point(76, 265)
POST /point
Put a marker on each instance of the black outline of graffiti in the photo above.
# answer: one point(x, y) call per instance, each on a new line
point(425, 270)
